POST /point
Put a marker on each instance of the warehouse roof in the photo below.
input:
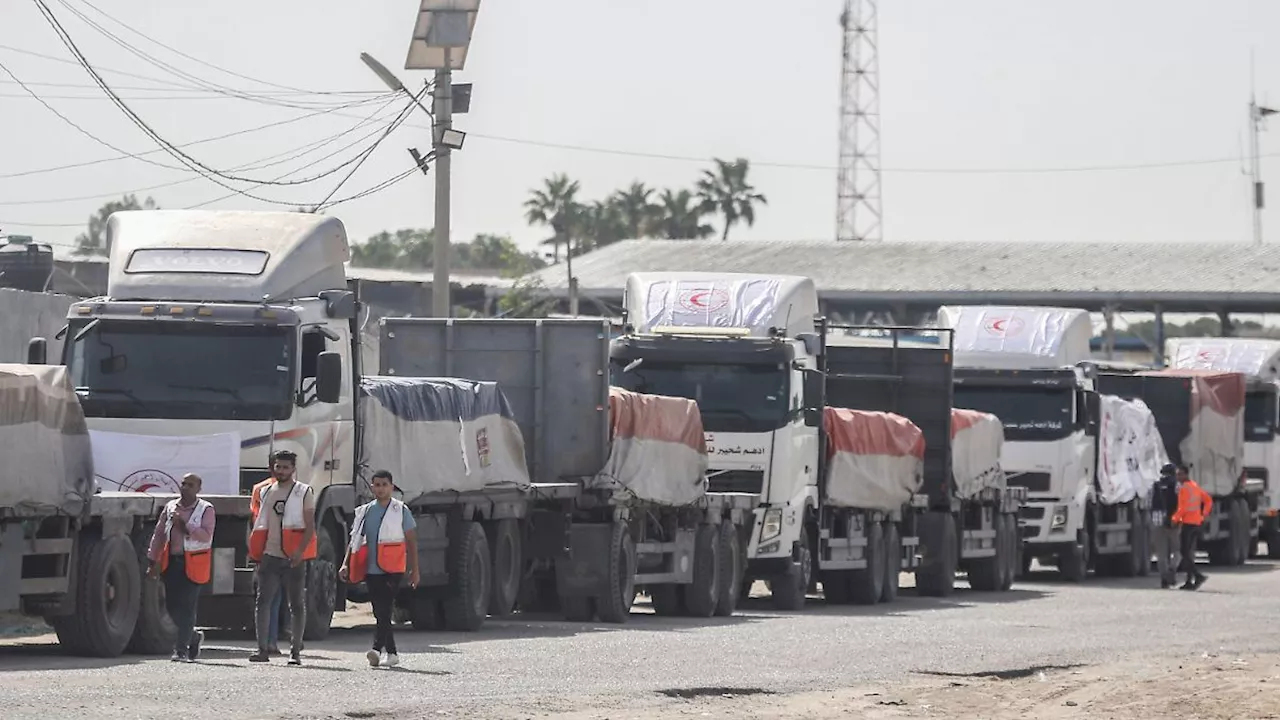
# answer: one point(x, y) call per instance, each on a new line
point(1178, 276)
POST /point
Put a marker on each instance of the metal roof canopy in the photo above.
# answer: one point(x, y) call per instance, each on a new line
point(1144, 277)
point(442, 34)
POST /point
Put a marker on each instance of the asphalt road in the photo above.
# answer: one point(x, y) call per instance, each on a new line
point(529, 667)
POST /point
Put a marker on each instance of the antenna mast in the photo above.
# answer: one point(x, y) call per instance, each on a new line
point(858, 209)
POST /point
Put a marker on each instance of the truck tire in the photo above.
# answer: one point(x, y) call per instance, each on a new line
point(1240, 531)
point(321, 592)
point(936, 576)
point(986, 574)
point(616, 606)
point(507, 561)
point(1012, 545)
point(867, 585)
point(788, 590)
point(466, 603)
point(701, 596)
point(1073, 563)
point(154, 632)
point(732, 565)
point(425, 611)
point(892, 562)
point(108, 596)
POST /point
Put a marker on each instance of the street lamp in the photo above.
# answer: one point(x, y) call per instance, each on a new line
point(441, 38)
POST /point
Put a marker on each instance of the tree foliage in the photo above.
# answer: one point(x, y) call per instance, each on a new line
point(94, 240)
point(641, 211)
point(414, 249)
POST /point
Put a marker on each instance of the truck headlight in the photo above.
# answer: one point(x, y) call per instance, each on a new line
point(772, 525)
point(1059, 517)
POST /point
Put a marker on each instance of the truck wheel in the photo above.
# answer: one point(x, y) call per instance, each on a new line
point(867, 585)
point(986, 574)
point(701, 595)
point(788, 590)
point(936, 576)
point(616, 606)
point(1009, 523)
point(108, 595)
point(154, 632)
point(425, 612)
point(321, 595)
point(1073, 563)
point(731, 569)
point(504, 542)
point(892, 562)
point(668, 600)
point(466, 604)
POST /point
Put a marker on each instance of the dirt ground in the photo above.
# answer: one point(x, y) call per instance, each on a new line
point(1209, 687)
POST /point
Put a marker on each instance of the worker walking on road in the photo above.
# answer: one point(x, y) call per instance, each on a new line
point(1164, 533)
point(182, 551)
point(255, 505)
point(1193, 505)
point(388, 527)
point(282, 541)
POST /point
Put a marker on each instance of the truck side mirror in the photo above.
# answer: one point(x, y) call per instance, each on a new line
point(328, 376)
point(813, 417)
point(37, 351)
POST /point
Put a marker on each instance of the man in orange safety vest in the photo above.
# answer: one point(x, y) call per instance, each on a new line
point(1194, 505)
point(283, 539)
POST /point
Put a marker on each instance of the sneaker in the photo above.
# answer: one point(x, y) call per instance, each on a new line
point(392, 660)
point(1187, 586)
point(295, 659)
point(374, 657)
point(176, 657)
point(1199, 582)
point(260, 657)
point(193, 651)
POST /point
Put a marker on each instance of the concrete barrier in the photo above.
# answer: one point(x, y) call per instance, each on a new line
point(24, 315)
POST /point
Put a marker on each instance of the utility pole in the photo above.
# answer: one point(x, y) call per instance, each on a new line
point(859, 215)
point(441, 305)
point(1257, 120)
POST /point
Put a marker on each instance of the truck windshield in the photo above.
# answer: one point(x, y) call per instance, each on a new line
point(1028, 414)
point(731, 398)
point(180, 370)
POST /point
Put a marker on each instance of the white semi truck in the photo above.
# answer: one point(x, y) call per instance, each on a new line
point(1258, 359)
point(1029, 367)
point(764, 368)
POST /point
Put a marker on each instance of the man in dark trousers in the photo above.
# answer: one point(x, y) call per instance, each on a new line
point(182, 552)
point(1194, 505)
point(1164, 534)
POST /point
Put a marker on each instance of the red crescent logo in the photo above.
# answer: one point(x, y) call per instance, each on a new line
point(704, 300)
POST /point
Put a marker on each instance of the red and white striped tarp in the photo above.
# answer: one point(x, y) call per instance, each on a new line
point(875, 459)
point(658, 452)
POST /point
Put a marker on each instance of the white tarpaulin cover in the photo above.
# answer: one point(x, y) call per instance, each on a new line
point(722, 300)
point(1017, 337)
point(1214, 447)
point(1130, 452)
point(658, 450)
point(1251, 356)
point(46, 461)
point(156, 464)
point(875, 459)
point(977, 439)
point(440, 434)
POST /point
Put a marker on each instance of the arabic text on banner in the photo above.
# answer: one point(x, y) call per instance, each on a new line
point(151, 463)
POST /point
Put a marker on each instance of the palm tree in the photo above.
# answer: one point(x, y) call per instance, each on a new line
point(556, 206)
point(725, 190)
point(680, 216)
point(636, 210)
point(601, 223)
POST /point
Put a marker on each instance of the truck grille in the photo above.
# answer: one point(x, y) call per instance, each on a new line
point(739, 481)
point(1032, 481)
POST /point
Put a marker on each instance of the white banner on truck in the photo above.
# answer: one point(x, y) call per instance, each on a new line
point(156, 464)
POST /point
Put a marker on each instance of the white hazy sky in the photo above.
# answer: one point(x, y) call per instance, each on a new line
point(966, 85)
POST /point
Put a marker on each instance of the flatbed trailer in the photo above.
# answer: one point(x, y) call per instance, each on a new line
point(583, 549)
